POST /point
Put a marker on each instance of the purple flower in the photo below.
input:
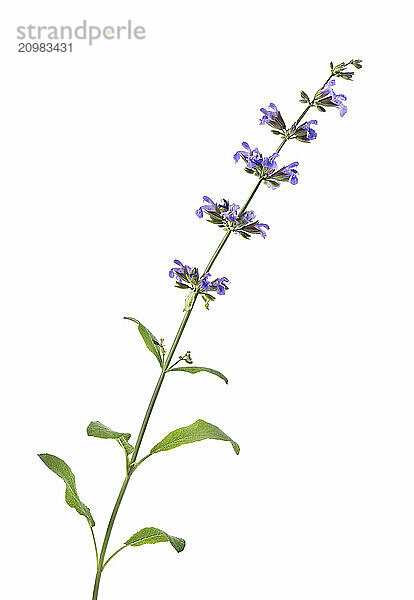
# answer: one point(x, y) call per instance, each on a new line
point(219, 285)
point(230, 212)
point(204, 283)
point(291, 172)
point(269, 162)
point(177, 271)
point(228, 216)
point(268, 115)
point(326, 97)
point(311, 133)
point(303, 132)
point(272, 117)
point(243, 153)
point(205, 207)
point(189, 278)
point(265, 167)
point(253, 158)
point(262, 226)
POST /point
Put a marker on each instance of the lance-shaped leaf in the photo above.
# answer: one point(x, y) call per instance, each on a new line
point(152, 535)
point(199, 370)
point(198, 431)
point(150, 340)
point(99, 430)
point(58, 466)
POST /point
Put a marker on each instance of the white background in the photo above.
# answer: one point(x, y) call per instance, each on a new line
point(107, 152)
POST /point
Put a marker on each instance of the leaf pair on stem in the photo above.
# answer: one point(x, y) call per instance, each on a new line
point(157, 349)
point(198, 431)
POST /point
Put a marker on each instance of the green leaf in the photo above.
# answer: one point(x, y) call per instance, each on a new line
point(150, 340)
point(199, 370)
point(207, 299)
point(125, 445)
point(99, 430)
point(189, 301)
point(198, 431)
point(62, 470)
point(274, 184)
point(152, 535)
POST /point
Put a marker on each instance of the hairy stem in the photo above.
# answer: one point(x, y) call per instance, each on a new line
point(101, 561)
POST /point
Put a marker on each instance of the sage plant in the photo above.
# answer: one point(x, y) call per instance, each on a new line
point(196, 283)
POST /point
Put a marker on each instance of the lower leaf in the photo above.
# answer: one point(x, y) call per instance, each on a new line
point(62, 470)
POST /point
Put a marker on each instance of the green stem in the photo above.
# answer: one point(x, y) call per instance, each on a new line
point(101, 561)
point(108, 535)
point(283, 142)
point(95, 546)
point(160, 382)
point(297, 122)
point(126, 455)
point(217, 252)
point(114, 554)
point(250, 198)
point(136, 450)
point(126, 460)
point(176, 363)
point(97, 583)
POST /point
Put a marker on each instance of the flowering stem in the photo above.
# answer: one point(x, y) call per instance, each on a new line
point(250, 198)
point(217, 252)
point(133, 465)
